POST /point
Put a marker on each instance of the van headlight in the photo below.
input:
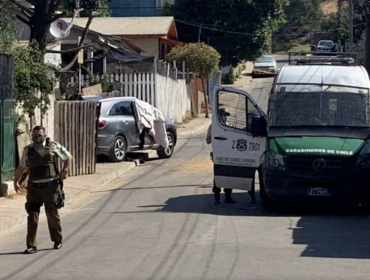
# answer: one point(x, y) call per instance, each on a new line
point(274, 161)
point(363, 160)
point(363, 163)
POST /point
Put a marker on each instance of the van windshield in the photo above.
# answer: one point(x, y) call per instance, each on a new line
point(319, 108)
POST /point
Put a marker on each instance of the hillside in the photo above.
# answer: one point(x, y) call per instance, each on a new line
point(329, 6)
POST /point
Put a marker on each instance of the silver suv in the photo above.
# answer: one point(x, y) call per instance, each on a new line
point(326, 46)
point(118, 132)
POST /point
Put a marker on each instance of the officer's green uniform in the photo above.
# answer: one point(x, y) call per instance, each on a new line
point(43, 188)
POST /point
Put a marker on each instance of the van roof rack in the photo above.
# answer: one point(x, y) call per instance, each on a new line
point(323, 58)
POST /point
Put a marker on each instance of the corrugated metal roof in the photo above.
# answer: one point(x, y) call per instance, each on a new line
point(128, 25)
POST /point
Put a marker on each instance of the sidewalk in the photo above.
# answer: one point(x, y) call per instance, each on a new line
point(246, 76)
point(12, 211)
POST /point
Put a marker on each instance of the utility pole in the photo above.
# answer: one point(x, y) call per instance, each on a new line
point(350, 37)
point(77, 5)
point(367, 37)
point(340, 5)
point(200, 31)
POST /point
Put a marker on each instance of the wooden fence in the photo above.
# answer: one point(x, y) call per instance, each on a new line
point(75, 128)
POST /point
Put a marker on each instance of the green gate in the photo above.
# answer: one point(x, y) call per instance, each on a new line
point(7, 119)
point(7, 139)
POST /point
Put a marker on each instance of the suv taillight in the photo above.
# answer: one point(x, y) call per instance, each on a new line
point(102, 123)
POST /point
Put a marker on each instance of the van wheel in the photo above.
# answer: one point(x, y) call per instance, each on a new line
point(167, 153)
point(118, 149)
point(267, 203)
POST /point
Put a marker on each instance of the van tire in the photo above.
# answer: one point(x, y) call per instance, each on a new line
point(267, 203)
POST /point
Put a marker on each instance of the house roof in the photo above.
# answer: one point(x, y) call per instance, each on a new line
point(130, 26)
point(122, 42)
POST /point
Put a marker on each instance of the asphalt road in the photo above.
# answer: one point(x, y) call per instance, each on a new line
point(159, 222)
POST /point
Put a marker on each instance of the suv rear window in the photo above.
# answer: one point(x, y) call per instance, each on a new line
point(123, 108)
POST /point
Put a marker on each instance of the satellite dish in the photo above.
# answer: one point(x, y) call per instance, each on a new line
point(58, 27)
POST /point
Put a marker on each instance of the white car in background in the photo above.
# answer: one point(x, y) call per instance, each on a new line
point(265, 65)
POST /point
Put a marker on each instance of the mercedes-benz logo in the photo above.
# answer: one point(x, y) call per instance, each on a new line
point(319, 165)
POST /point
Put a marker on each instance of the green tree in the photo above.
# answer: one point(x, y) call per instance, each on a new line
point(336, 24)
point(200, 59)
point(302, 13)
point(237, 29)
point(89, 6)
point(32, 80)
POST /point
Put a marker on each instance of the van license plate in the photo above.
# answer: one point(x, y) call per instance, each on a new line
point(318, 192)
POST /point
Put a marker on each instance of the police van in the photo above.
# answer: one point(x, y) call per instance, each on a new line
point(314, 142)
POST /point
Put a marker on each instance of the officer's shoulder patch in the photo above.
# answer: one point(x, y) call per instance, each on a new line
point(28, 146)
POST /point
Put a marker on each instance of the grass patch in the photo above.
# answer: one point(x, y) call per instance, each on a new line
point(300, 48)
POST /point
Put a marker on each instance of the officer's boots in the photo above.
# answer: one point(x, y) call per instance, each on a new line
point(228, 198)
point(216, 192)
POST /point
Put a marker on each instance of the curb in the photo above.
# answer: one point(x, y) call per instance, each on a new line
point(191, 132)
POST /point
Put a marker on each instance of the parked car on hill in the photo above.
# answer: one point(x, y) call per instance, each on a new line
point(265, 65)
point(325, 46)
point(118, 130)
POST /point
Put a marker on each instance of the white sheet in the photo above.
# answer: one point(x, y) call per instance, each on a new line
point(151, 118)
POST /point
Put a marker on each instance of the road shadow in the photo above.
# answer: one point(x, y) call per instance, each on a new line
point(328, 231)
point(141, 156)
point(22, 252)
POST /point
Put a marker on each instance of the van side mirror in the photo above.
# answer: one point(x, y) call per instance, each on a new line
point(259, 126)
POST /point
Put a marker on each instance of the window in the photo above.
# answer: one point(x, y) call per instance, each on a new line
point(232, 110)
point(122, 109)
point(236, 110)
point(252, 112)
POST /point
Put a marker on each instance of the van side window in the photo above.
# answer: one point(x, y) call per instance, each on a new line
point(252, 112)
point(232, 110)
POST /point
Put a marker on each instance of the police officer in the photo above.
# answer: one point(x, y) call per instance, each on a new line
point(40, 161)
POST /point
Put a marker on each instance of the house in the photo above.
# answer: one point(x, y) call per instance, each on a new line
point(106, 54)
point(156, 36)
point(140, 8)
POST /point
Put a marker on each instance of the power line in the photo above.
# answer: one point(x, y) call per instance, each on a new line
point(213, 29)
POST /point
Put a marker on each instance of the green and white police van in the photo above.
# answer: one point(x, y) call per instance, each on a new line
point(317, 144)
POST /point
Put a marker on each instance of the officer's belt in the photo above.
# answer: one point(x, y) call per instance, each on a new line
point(46, 184)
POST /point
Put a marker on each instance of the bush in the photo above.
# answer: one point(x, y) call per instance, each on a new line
point(230, 78)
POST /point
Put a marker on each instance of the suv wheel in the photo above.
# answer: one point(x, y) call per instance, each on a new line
point(118, 149)
point(167, 153)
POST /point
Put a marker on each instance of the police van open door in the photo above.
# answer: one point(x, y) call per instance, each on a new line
point(239, 130)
